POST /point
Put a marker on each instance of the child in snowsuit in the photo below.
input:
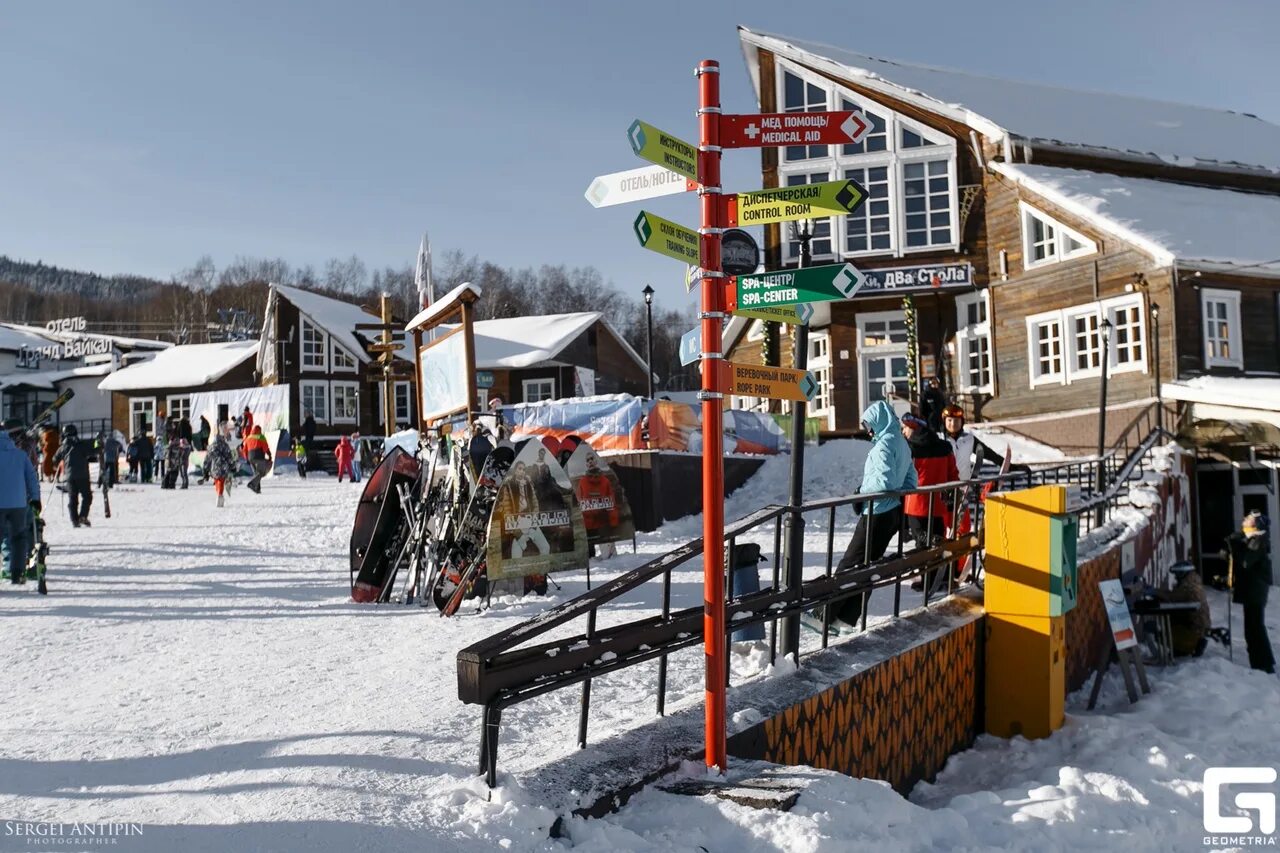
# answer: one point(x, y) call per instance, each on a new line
point(345, 454)
point(300, 457)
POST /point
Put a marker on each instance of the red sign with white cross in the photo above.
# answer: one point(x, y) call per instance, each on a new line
point(768, 130)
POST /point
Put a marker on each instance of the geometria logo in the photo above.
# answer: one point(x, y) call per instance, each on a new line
point(1238, 829)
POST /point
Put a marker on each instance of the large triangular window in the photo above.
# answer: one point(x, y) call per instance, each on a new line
point(1045, 240)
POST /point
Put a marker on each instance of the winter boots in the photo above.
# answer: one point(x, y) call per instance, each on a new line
point(221, 500)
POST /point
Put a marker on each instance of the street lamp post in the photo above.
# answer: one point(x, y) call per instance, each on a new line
point(1155, 341)
point(1101, 477)
point(648, 310)
point(793, 554)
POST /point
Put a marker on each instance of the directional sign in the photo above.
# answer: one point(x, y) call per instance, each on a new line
point(776, 129)
point(636, 185)
point(791, 287)
point(692, 275)
point(792, 315)
point(778, 383)
point(690, 347)
point(785, 204)
point(667, 238)
point(664, 149)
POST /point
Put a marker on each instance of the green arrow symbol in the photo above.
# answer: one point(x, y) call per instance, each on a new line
point(635, 135)
point(808, 386)
point(642, 228)
point(850, 196)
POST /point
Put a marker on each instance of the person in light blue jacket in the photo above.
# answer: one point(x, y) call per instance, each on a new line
point(888, 468)
point(19, 491)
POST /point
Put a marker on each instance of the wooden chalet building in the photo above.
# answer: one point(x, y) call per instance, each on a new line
point(310, 343)
point(553, 356)
point(1027, 222)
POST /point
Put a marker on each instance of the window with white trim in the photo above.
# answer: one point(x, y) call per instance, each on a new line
point(819, 363)
point(1044, 349)
point(315, 398)
point(343, 360)
point(1128, 334)
point(973, 341)
point(312, 344)
point(538, 389)
point(1046, 241)
point(1222, 344)
point(907, 168)
point(179, 406)
point(1084, 341)
point(346, 402)
point(401, 413)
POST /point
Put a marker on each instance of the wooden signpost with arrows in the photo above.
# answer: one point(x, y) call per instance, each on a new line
point(386, 347)
point(680, 166)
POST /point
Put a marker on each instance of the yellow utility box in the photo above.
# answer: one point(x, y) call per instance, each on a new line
point(1030, 584)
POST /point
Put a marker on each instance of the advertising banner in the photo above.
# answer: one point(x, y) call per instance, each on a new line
point(269, 407)
point(607, 423)
point(605, 511)
point(678, 426)
point(444, 376)
point(537, 526)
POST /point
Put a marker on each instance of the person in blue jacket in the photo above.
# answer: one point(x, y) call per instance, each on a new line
point(19, 492)
point(888, 468)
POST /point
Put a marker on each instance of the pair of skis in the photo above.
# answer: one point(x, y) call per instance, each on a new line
point(466, 556)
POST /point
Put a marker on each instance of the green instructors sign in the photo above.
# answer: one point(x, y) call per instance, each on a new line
point(666, 150)
point(792, 287)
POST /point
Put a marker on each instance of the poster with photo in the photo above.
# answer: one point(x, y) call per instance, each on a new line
point(537, 526)
point(605, 510)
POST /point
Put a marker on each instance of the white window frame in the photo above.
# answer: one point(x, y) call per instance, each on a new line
point(322, 397)
point(354, 388)
point(969, 337)
point(339, 357)
point(402, 416)
point(894, 158)
point(1034, 322)
point(1060, 234)
point(1234, 339)
point(141, 406)
point(866, 317)
point(1110, 308)
point(1072, 345)
point(303, 364)
point(819, 363)
point(526, 384)
point(185, 404)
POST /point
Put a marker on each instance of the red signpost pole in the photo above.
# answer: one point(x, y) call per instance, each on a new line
point(713, 381)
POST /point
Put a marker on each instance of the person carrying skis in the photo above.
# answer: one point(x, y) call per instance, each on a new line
point(1249, 550)
point(345, 453)
point(888, 467)
point(300, 457)
point(76, 454)
point(969, 451)
point(19, 495)
point(220, 462)
point(109, 450)
point(928, 515)
point(259, 455)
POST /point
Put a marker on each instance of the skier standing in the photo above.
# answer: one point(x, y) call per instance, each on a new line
point(345, 454)
point(1250, 553)
point(259, 455)
point(928, 516)
point(184, 456)
point(19, 493)
point(108, 460)
point(220, 463)
point(146, 455)
point(162, 455)
point(970, 452)
point(75, 454)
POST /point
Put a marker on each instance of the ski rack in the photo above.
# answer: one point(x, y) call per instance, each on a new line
point(505, 669)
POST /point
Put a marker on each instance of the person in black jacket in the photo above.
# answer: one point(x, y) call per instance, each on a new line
point(1249, 550)
point(146, 455)
point(932, 404)
point(75, 455)
point(309, 435)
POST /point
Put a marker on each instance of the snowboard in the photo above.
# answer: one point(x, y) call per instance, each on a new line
point(377, 534)
point(465, 558)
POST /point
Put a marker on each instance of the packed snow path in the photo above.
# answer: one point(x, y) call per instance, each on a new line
point(203, 672)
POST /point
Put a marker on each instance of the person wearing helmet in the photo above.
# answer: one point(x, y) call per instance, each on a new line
point(1190, 629)
point(75, 455)
point(969, 451)
point(1249, 551)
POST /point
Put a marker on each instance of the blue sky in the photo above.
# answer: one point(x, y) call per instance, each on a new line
point(137, 136)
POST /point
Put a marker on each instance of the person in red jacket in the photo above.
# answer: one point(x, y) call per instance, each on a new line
point(928, 515)
point(346, 454)
point(258, 453)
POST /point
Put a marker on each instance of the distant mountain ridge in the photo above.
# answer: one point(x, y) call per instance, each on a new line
point(45, 279)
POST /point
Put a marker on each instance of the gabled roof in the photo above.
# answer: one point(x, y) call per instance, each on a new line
point(49, 379)
point(1047, 116)
point(1203, 228)
point(336, 317)
point(190, 366)
point(518, 342)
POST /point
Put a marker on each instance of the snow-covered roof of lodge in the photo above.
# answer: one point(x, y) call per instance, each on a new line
point(1202, 228)
point(49, 379)
point(1248, 392)
point(190, 366)
point(338, 318)
point(1110, 124)
point(14, 336)
point(517, 342)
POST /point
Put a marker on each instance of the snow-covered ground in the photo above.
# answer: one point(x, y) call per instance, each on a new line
point(202, 672)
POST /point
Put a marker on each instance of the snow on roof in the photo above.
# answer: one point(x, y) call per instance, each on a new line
point(1208, 228)
point(338, 318)
point(1177, 134)
point(426, 315)
point(525, 341)
point(190, 366)
point(14, 335)
point(48, 379)
point(1249, 392)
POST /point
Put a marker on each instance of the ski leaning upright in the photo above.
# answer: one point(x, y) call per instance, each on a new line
point(466, 554)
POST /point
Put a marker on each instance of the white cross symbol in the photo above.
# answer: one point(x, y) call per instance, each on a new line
point(751, 132)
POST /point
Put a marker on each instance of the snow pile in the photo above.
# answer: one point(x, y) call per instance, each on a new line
point(190, 366)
